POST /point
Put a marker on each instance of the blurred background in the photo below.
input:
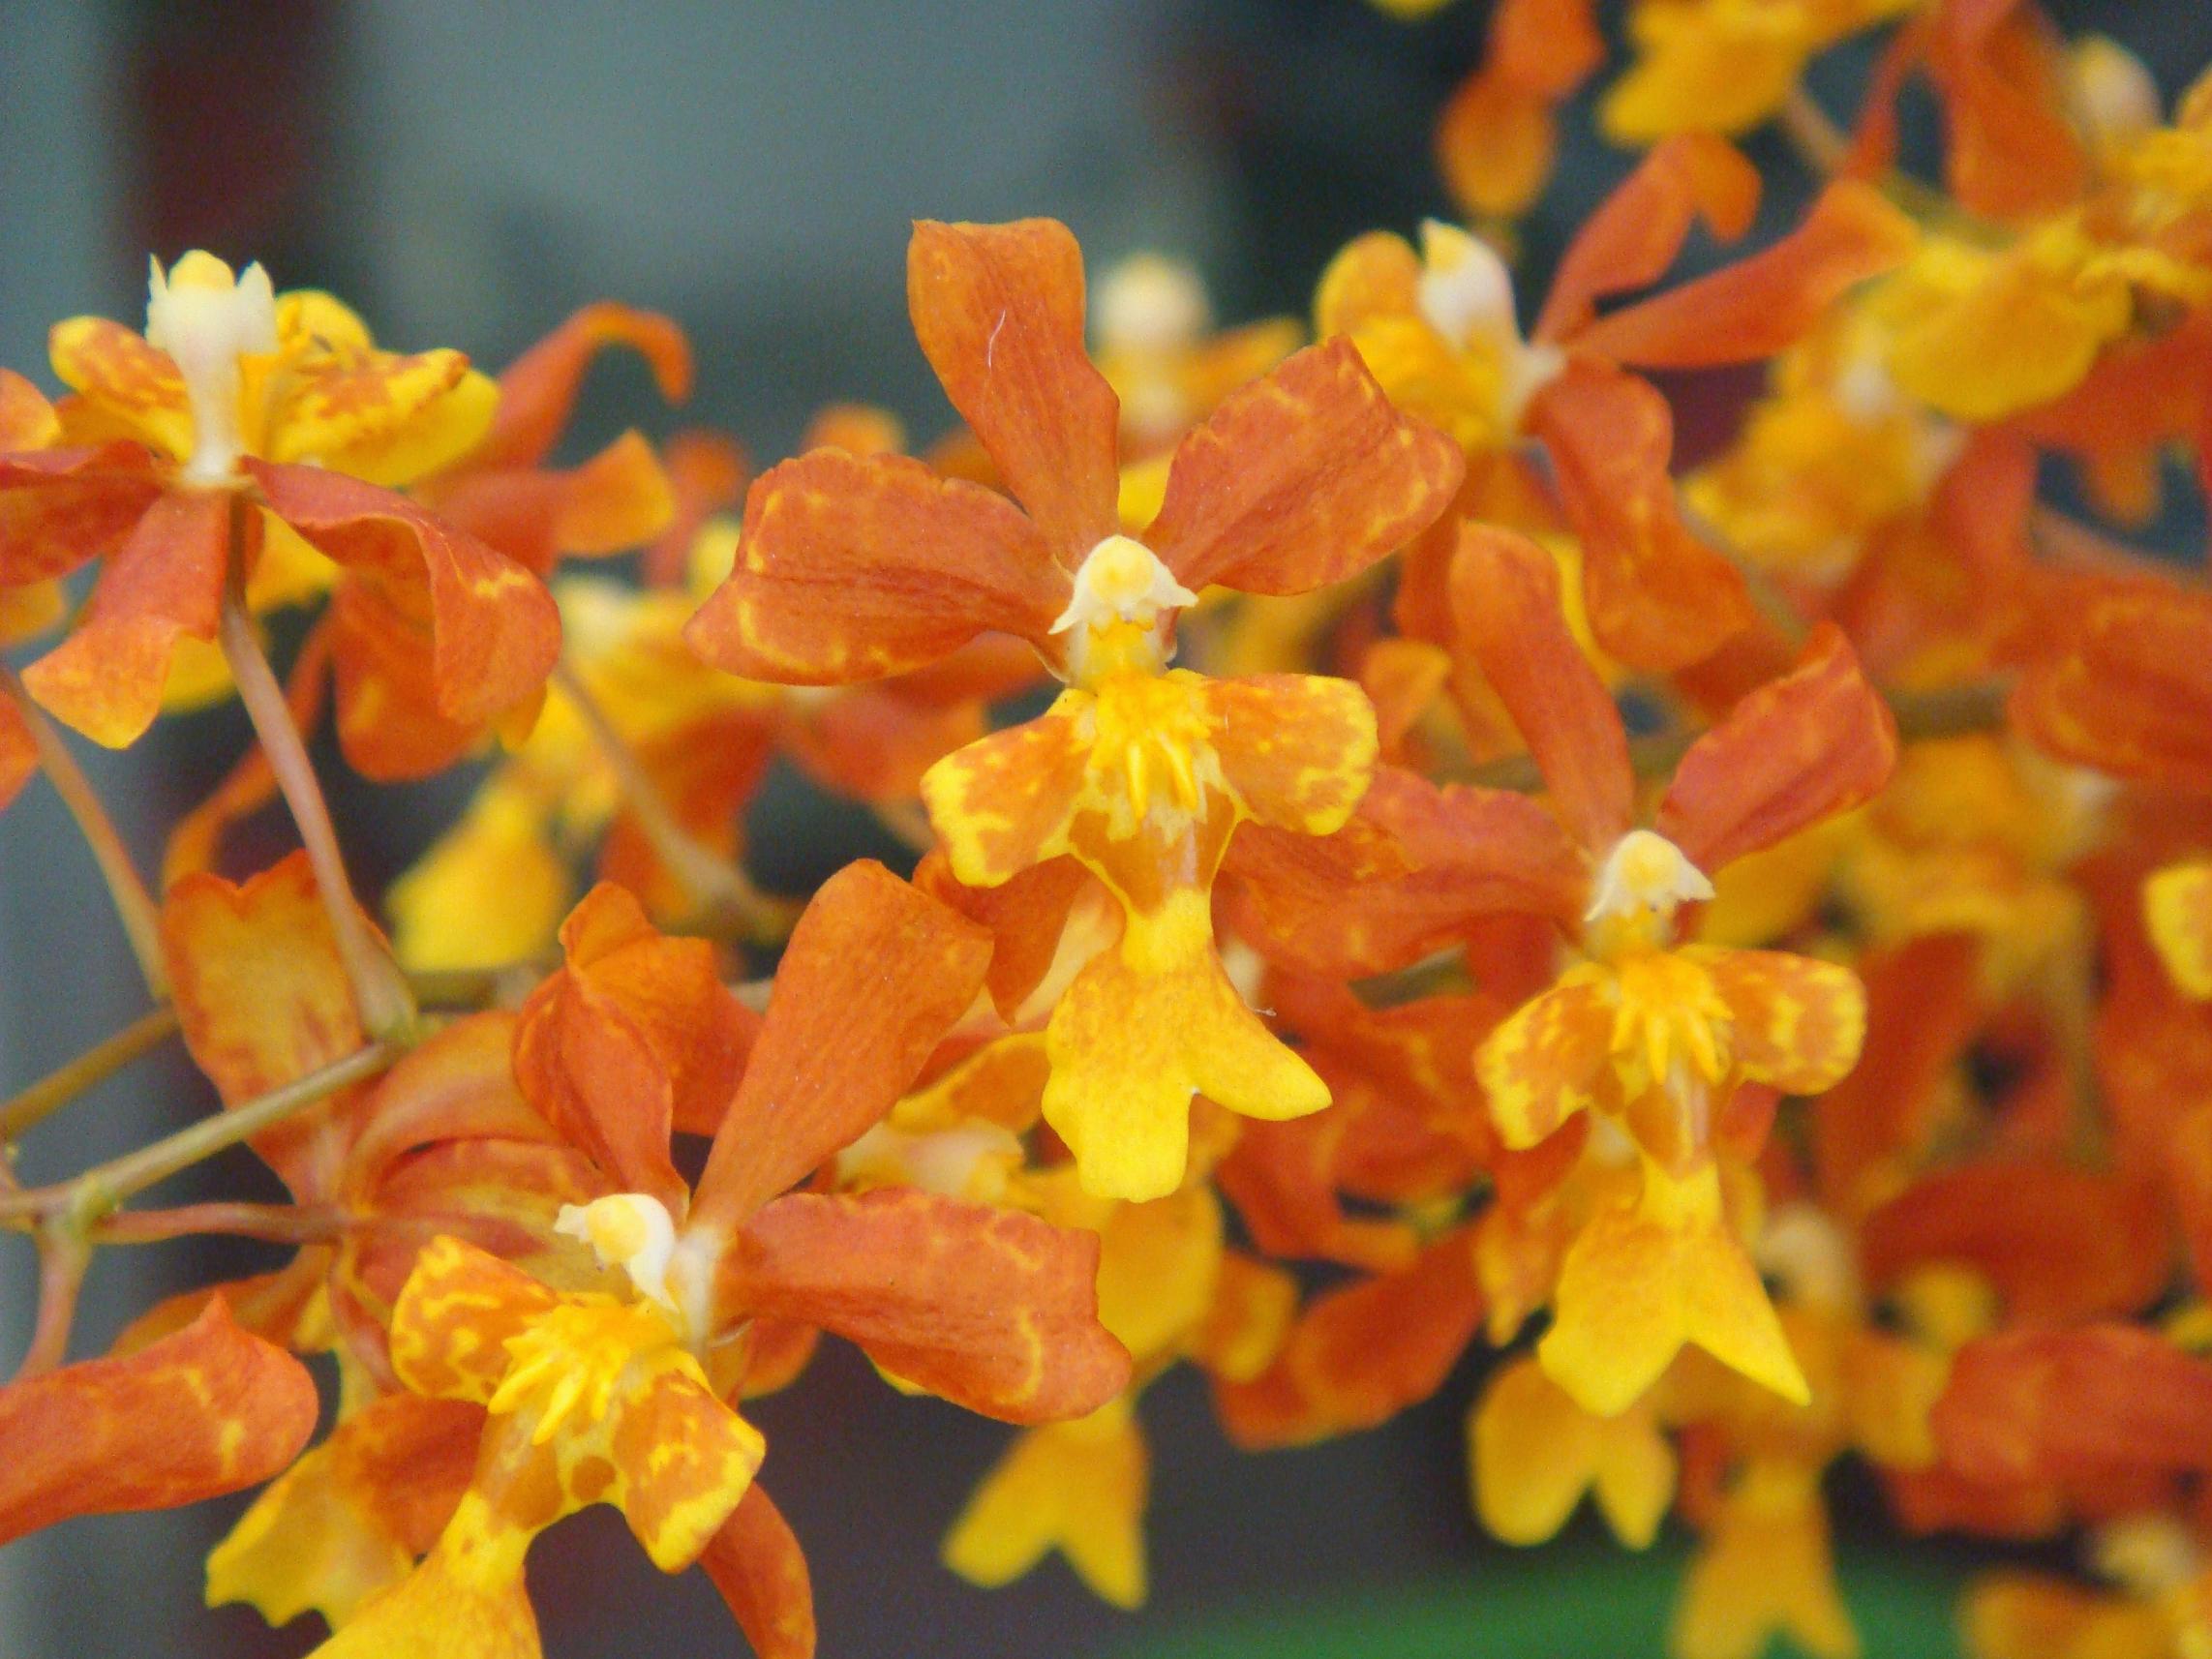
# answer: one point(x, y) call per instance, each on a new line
point(465, 176)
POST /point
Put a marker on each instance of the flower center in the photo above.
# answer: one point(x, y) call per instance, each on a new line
point(582, 1356)
point(1643, 882)
point(1671, 1022)
point(1116, 619)
point(1466, 294)
point(206, 320)
point(1152, 742)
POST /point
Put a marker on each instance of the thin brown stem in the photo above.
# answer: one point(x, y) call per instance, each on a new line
point(94, 1195)
point(278, 1223)
point(63, 1256)
point(386, 1006)
point(134, 906)
point(719, 889)
point(1820, 143)
point(65, 1083)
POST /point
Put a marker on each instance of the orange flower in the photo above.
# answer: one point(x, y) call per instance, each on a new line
point(1439, 330)
point(855, 567)
point(238, 428)
point(618, 1398)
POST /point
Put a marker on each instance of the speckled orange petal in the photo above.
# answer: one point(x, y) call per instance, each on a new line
point(452, 1321)
point(999, 312)
point(1026, 917)
point(349, 1518)
point(1658, 598)
point(1647, 1276)
point(835, 1051)
point(1298, 749)
point(1760, 306)
point(1301, 479)
point(1507, 607)
point(1798, 1022)
point(1635, 233)
point(495, 630)
point(1541, 1066)
point(60, 508)
point(683, 1461)
point(1361, 1353)
point(2080, 1405)
point(2128, 685)
point(163, 586)
point(852, 567)
point(205, 1411)
point(537, 391)
point(1815, 743)
point(130, 386)
point(383, 674)
point(1005, 803)
point(993, 1309)
point(756, 1564)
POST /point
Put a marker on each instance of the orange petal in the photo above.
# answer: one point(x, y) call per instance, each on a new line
point(2059, 1244)
point(19, 751)
point(1814, 744)
point(1658, 598)
point(1004, 803)
point(835, 1051)
point(349, 1518)
point(993, 1309)
point(683, 1461)
point(1798, 1022)
point(1542, 1066)
point(60, 508)
point(1762, 305)
point(495, 629)
point(999, 312)
point(452, 1322)
point(852, 567)
point(756, 1564)
point(27, 419)
point(1026, 915)
point(196, 1414)
point(636, 1034)
point(1296, 748)
point(2011, 148)
point(130, 387)
point(1301, 479)
point(2083, 1405)
point(1414, 871)
point(1506, 604)
point(1636, 231)
point(538, 392)
point(162, 587)
point(2128, 687)
point(1361, 1353)
point(1496, 142)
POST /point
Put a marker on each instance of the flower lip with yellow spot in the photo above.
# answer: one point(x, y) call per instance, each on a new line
point(584, 1354)
point(1645, 873)
point(206, 318)
point(1120, 581)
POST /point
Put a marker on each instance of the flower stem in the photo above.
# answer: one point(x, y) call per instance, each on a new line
point(278, 1223)
point(134, 907)
point(63, 1256)
point(62, 1085)
point(379, 992)
point(91, 1197)
point(719, 889)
